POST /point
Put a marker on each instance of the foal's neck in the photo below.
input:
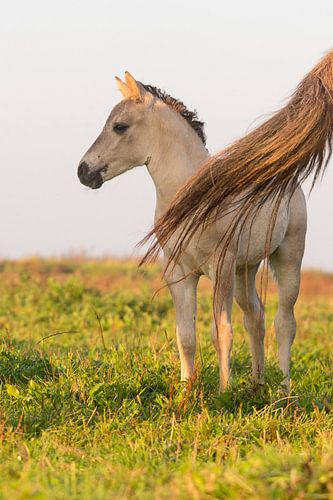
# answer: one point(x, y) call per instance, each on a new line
point(177, 154)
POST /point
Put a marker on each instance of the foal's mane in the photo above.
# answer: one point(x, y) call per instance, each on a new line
point(190, 116)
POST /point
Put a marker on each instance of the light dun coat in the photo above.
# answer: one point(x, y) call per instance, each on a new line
point(150, 128)
point(267, 163)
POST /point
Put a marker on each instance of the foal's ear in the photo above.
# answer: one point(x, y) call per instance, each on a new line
point(135, 87)
point(131, 89)
point(124, 89)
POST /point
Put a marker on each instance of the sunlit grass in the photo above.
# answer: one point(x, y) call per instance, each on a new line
point(97, 410)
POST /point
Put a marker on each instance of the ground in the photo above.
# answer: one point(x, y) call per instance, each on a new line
point(91, 405)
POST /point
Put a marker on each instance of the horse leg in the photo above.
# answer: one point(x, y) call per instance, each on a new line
point(286, 263)
point(222, 334)
point(183, 291)
point(247, 298)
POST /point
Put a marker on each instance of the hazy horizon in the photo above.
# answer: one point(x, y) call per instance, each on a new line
point(234, 63)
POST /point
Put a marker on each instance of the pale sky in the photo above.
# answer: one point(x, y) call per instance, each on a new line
point(232, 61)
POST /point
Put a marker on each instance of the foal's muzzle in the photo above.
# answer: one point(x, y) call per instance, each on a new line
point(90, 178)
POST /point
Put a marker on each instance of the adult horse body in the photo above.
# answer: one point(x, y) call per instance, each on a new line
point(150, 128)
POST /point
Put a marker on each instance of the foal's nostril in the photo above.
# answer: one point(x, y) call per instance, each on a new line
point(90, 176)
point(83, 171)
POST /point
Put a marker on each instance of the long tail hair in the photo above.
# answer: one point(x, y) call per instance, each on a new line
point(265, 164)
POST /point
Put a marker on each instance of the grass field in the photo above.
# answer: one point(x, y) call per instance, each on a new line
point(99, 412)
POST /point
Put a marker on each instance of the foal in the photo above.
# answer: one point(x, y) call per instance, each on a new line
point(149, 127)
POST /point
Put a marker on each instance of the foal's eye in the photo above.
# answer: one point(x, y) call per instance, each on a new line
point(120, 128)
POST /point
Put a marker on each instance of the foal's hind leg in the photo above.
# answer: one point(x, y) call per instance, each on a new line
point(286, 263)
point(222, 337)
point(222, 334)
point(248, 300)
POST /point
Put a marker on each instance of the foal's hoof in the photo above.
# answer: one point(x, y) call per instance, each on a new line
point(258, 386)
point(223, 389)
point(284, 389)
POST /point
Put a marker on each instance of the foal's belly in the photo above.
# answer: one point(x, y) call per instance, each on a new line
point(262, 238)
point(255, 242)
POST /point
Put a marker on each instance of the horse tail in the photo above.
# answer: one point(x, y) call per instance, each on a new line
point(265, 164)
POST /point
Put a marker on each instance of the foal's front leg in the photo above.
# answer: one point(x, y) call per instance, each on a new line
point(183, 291)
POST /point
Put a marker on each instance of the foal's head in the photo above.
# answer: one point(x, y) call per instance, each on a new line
point(124, 140)
point(132, 131)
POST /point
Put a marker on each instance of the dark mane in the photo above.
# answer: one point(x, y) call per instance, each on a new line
point(190, 116)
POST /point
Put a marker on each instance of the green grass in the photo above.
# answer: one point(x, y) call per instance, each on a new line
point(99, 412)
